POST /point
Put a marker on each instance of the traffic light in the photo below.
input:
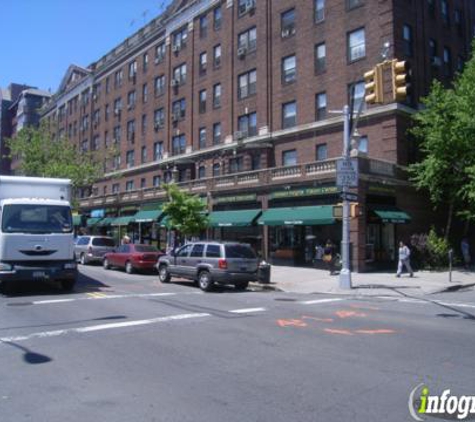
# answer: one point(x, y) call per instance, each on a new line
point(354, 209)
point(401, 80)
point(374, 85)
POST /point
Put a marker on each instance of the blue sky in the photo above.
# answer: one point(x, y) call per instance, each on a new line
point(41, 38)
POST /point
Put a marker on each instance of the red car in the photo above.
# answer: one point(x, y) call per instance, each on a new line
point(132, 257)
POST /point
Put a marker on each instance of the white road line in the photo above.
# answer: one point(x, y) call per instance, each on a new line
point(248, 310)
point(318, 301)
point(91, 328)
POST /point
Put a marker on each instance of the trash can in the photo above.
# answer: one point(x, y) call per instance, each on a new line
point(263, 273)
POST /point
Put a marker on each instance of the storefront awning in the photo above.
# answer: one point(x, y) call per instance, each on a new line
point(76, 220)
point(93, 221)
point(239, 218)
point(122, 221)
point(147, 216)
point(299, 216)
point(106, 221)
point(393, 215)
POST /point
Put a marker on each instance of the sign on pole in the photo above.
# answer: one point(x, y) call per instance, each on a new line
point(347, 172)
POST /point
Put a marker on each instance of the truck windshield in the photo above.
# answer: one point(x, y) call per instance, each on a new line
point(37, 218)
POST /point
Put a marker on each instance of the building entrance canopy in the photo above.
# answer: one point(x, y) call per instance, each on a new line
point(298, 216)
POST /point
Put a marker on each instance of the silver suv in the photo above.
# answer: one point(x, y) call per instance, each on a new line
point(209, 263)
point(92, 248)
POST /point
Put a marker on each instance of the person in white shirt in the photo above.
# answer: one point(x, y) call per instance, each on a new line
point(404, 260)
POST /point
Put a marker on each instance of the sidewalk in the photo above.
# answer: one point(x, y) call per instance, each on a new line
point(311, 280)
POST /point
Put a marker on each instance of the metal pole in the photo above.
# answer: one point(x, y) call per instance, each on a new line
point(345, 273)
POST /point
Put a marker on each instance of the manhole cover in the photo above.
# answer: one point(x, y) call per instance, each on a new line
point(20, 304)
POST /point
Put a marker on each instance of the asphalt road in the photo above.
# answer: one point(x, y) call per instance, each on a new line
point(127, 348)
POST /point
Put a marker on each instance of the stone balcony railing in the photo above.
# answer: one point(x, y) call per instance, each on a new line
point(320, 170)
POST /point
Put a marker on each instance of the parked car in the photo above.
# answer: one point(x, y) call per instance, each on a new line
point(209, 263)
point(89, 249)
point(132, 258)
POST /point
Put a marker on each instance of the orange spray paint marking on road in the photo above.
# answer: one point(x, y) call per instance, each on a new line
point(318, 319)
point(291, 323)
point(349, 314)
point(380, 331)
point(341, 332)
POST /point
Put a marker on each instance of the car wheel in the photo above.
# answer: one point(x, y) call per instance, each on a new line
point(129, 269)
point(105, 264)
point(163, 274)
point(68, 285)
point(204, 281)
point(82, 259)
point(242, 285)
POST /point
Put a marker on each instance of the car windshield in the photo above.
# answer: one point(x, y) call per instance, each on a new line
point(239, 251)
point(103, 241)
point(145, 248)
point(37, 218)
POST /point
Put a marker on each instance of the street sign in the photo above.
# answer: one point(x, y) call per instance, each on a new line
point(348, 196)
point(347, 172)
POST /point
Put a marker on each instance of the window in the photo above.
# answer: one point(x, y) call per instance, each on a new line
point(131, 130)
point(131, 99)
point(201, 172)
point(351, 4)
point(160, 53)
point(179, 109)
point(203, 63)
point(319, 10)
point(289, 115)
point(116, 161)
point(407, 40)
point(358, 91)
point(118, 77)
point(217, 18)
point(115, 188)
point(217, 96)
point(447, 61)
point(458, 21)
point(197, 251)
point(247, 84)
point(216, 133)
point(213, 251)
point(356, 45)
point(132, 70)
point(145, 62)
point(117, 107)
point(144, 93)
point(159, 85)
point(289, 73)
point(157, 151)
point(235, 165)
point(157, 181)
point(320, 58)
point(247, 124)
point(179, 39)
point(322, 152)
point(202, 137)
point(179, 74)
point(216, 169)
point(289, 158)
point(202, 101)
point(143, 183)
point(363, 144)
point(203, 26)
point(129, 185)
point(178, 144)
point(117, 134)
point(217, 56)
point(256, 161)
point(143, 155)
point(95, 143)
point(444, 11)
point(130, 158)
point(247, 40)
point(287, 23)
point(144, 124)
point(432, 49)
point(246, 6)
point(431, 5)
point(159, 118)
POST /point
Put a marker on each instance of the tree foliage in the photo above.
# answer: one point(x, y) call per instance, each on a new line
point(186, 212)
point(445, 129)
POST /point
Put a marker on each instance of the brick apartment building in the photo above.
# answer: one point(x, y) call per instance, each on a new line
point(232, 99)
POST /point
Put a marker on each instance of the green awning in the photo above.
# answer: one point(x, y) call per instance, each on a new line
point(239, 218)
point(395, 216)
point(147, 216)
point(93, 221)
point(165, 222)
point(76, 220)
point(106, 221)
point(122, 221)
point(298, 216)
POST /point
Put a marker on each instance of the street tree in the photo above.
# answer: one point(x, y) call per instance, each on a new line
point(185, 212)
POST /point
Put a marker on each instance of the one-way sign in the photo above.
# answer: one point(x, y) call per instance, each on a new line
point(347, 172)
point(349, 196)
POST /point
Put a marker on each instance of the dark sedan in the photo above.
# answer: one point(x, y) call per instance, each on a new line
point(132, 258)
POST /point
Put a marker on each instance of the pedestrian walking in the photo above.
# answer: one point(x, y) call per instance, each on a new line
point(329, 256)
point(465, 247)
point(126, 240)
point(404, 260)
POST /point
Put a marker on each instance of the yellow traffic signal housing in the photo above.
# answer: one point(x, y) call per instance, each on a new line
point(338, 210)
point(374, 93)
point(354, 210)
point(401, 80)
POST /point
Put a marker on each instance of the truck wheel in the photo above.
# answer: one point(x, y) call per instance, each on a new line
point(68, 285)
point(242, 285)
point(129, 269)
point(82, 259)
point(163, 274)
point(204, 281)
point(105, 264)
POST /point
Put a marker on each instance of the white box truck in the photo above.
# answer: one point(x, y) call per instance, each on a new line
point(36, 231)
